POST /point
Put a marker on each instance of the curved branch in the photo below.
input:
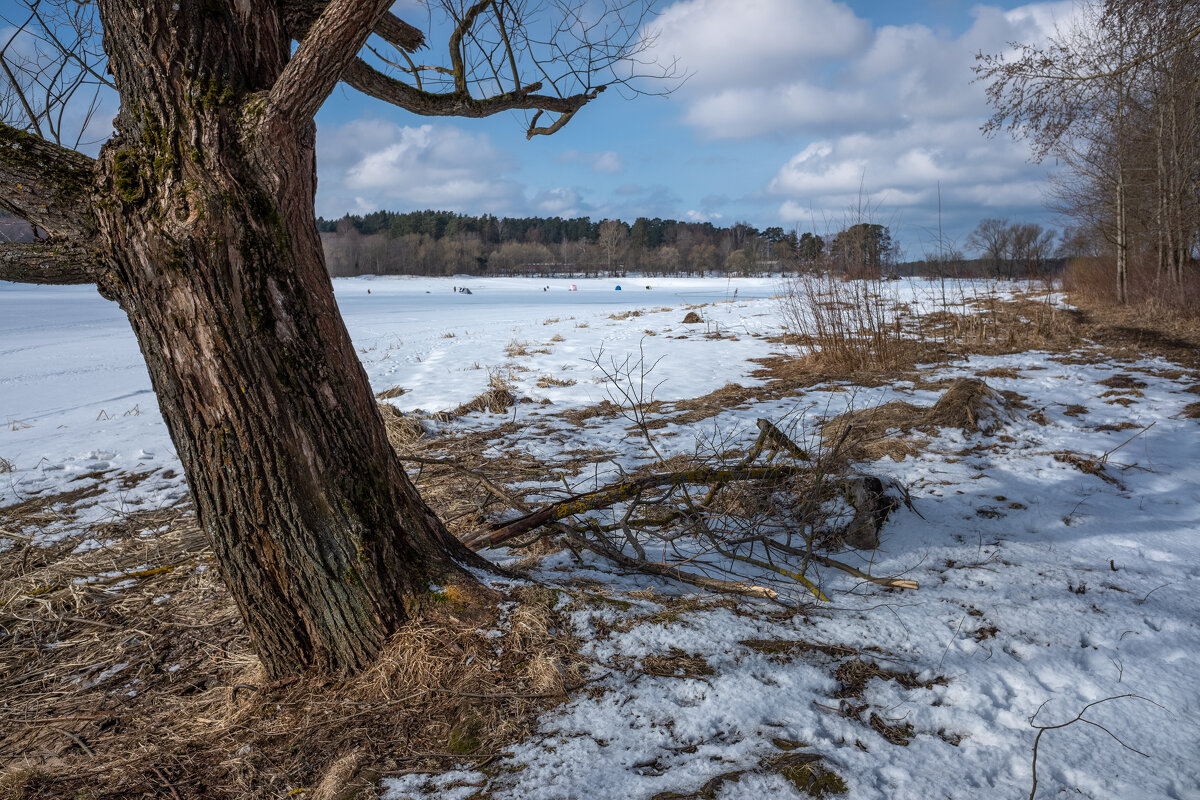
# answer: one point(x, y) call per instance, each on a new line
point(456, 53)
point(48, 263)
point(45, 184)
point(371, 81)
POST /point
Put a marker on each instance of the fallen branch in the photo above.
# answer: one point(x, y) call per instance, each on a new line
point(668, 571)
point(616, 493)
point(1079, 718)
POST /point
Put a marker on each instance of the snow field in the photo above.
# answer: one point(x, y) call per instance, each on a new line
point(1041, 585)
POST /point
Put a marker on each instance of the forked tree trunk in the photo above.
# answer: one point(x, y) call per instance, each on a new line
point(211, 241)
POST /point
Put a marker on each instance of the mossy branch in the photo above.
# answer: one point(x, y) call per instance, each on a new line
point(48, 263)
point(45, 184)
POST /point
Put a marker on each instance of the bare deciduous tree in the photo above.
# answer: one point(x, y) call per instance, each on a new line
point(1114, 98)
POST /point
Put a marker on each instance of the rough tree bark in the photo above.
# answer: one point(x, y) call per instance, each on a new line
point(198, 219)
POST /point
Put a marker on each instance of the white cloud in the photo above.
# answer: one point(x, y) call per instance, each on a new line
point(738, 44)
point(559, 202)
point(888, 112)
point(607, 162)
point(903, 171)
point(812, 66)
point(399, 167)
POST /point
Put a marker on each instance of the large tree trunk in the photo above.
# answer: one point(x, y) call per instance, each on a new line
point(206, 216)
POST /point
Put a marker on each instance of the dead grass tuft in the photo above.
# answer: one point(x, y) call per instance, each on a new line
point(547, 381)
point(692, 318)
point(971, 405)
point(605, 409)
point(968, 404)
point(677, 664)
point(515, 349)
point(1191, 411)
point(402, 430)
point(855, 674)
point(497, 399)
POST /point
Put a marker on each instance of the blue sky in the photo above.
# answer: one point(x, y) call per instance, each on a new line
point(790, 107)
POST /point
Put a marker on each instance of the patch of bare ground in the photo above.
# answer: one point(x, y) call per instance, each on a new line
point(729, 396)
point(126, 672)
point(999, 372)
point(605, 409)
point(1133, 332)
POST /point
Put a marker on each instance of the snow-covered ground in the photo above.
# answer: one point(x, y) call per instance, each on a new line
point(1041, 586)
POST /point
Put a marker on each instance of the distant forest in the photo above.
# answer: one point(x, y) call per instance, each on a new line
point(446, 243)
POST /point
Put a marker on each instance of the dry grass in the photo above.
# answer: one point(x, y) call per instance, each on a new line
point(968, 404)
point(845, 326)
point(388, 394)
point(402, 430)
point(516, 349)
point(692, 318)
point(605, 409)
point(1122, 381)
point(126, 672)
point(497, 399)
point(999, 372)
point(547, 381)
point(729, 396)
point(1092, 282)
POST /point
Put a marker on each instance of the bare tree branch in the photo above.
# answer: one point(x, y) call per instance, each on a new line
point(48, 263)
point(570, 58)
point(317, 65)
point(45, 184)
point(52, 79)
point(371, 81)
point(299, 16)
